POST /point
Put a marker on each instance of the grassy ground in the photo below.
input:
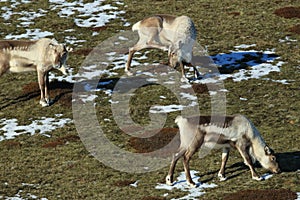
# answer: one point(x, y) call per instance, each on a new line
point(60, 167)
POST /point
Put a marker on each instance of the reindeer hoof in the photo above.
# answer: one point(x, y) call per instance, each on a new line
point(192, 185)
point(169, 181)
point(184, 80)
point(129, 73)
point(44, 103)
point(258, 178)
point(222, 177)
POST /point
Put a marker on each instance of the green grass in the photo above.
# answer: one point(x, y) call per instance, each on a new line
point(62, 169)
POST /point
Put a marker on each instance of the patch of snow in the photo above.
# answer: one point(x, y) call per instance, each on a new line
point(32, 34)
point(21, 196)
point(267, 176)
point(11, 128)
point(212, 93)
point(135, 184)
point(152, 80)
point(244, 46)
point(243, 99)
point(188, 96)
point(8, 11)
point(194, 193)
point(72, 40)
point(86, 98)
point(92, 14)
point(287, 39)
point(283, 81)
point(298, 194)
point(259, 64)
point(166, 109)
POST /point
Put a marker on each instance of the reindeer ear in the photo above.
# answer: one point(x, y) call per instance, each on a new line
point(268, 151)
point(180, 44)
point(54, 41)
point(69, 49)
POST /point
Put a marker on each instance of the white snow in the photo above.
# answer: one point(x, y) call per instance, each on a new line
point(11, 128)
point(93, 14)
point(287, 40)
point(32, 34)
point(194, 193)
point(166, 109)
point(267, 176)
point(21, 195)
point(135, 184)
point(244, 46)
point(298, 194)
point(261, 64)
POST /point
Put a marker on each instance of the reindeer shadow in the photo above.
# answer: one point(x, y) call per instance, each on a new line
point(289, 161)
point(33, 93)
point(58, 89)
point(61, 91)
point(229, 63)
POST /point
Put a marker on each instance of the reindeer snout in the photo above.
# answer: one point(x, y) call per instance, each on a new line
point(277, 171)
point(64, 70)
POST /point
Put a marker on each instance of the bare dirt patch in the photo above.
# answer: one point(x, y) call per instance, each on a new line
point(295, 29)
point(60, 91)
point(10, 144)
point(61, 141)
point(200, 88)
point(99, 28)
point(280, 194)
point(159, 140)
point(288, 12)
point(82, 52)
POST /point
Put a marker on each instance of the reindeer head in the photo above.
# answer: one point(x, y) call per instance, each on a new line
point(60, 54)
point(174, 55)
point(269, 160)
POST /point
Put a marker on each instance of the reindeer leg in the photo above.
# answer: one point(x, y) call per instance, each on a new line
point(244, 151)
point(139, 46)
point(225, 155)
point(128, 63)
point(41, 80)
point(186, 160)
point(47, 96)
point(153, 45)
point(3, 68)
point(183, 77)
point(169, 178)
point(196, 72)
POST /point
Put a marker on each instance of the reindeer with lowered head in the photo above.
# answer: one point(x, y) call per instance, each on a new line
point(224, 132)
point(176, 35)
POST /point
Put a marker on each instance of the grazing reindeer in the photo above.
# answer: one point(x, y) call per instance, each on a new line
point(222, 132)
point(40, 55)
point(176, 35)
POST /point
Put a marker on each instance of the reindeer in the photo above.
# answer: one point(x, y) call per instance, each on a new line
point(222, 132)
point(176, 35)
point(40, 55)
